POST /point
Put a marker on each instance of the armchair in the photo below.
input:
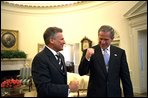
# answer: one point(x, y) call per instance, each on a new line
point(25, 77)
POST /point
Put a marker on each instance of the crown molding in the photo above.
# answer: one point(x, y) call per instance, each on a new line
point(5, 7)
point(41, 4)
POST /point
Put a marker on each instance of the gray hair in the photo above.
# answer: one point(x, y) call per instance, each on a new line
point(50, 33)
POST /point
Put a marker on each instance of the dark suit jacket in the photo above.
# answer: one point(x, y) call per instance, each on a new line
point(103, 83)
point(49, 79)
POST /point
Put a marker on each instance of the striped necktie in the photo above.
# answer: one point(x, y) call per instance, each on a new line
point(59, 61)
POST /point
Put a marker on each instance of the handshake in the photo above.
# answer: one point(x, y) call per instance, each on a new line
point(74, 85)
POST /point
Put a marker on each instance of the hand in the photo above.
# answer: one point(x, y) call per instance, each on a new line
point(74, 86)
point(89, 53)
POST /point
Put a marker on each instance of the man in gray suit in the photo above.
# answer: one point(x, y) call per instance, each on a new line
point(48, 67)
point(106, 72)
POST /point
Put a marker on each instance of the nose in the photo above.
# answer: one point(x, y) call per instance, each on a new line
point(102, 42)
point(64, 42)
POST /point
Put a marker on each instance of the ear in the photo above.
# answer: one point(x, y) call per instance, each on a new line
point(112, 38)
point(51, 40)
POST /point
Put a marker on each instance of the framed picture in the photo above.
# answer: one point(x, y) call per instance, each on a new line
point(85, 43)
point(9, 39)
point(40, 47)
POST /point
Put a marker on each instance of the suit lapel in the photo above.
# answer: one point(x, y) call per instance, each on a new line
point(113, 55)
point(99, 57)
point(54, 61)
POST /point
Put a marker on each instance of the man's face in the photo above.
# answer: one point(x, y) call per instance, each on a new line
point(58, 42)
point(104, 39)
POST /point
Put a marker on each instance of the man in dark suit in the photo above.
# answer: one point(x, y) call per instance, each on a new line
point(105, 75)
point(48, 67)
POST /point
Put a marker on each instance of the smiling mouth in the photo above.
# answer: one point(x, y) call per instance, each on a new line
point(103, 46)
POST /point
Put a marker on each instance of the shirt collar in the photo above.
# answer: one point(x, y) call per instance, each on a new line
point(54, 52)
point(108, 48)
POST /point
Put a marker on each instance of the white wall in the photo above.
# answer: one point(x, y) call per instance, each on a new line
point(75, 24)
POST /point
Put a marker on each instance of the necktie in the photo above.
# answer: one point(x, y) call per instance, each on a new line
point(106, 58)
point(59, 61)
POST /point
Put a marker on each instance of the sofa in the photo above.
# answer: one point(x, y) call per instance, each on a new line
point(83, 83)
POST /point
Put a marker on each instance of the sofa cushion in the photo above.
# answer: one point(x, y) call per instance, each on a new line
point(76, 77)
point(83, 83)
point(86, 80)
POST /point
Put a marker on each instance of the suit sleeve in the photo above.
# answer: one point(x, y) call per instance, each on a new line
point(125, 77)
point(84, 65)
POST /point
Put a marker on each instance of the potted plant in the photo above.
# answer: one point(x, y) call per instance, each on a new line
point(13, 54)
point(10, 86)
